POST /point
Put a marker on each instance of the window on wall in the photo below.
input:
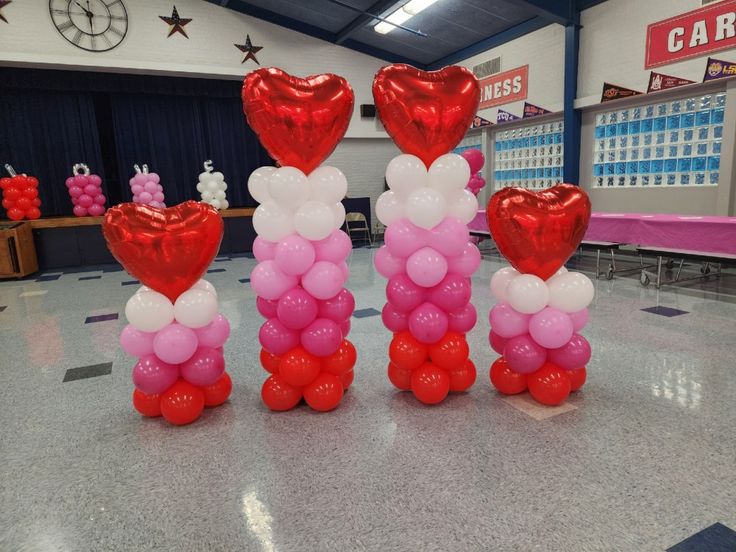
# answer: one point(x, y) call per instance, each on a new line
point(529, 157)
point(673, 143)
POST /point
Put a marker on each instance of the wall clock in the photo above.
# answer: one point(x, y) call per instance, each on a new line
point(92, 25)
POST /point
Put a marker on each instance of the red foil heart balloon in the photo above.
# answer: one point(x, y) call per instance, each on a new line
point(169, 249)
point(299, 121)
point(426, 113)
point(538, 231)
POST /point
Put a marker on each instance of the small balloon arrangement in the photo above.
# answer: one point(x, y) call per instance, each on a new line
point(174, 326)
point(475, 160)
point(212, 186)
point(147, 188)
point(85, 191)
point(20, 195)
point(542, 307)
point(300, 248)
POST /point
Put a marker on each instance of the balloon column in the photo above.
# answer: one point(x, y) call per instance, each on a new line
point(146, 188)
point(300, 248)
point(86, 192)
point(212, 187)
point(475, 160)
point(174, 327)
point(20, 195)
point(542, 307)
point(427, 257)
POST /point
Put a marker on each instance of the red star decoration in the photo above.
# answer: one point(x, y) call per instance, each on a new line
point(177, 23)
point(4, 3)
point(249, 50)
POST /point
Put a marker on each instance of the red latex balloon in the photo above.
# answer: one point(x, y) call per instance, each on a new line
point(147, 405)
point(505, 380)
point(538, 231)
point(182, 403)
point(218, 392)
point(577, 378)
point(463, 377)
point(298, 121)
point(400, 377)
point(169, 249)
point(426, 113)
point(341, 361)
point(430, 384)
point(33, 213)
point(279, 395)
point(549, 385)
point(270, 361)
point(347, 379)
point(24, 203)
point(450, 351)
point(299, 367)
point(324, 393)
point(406, 352)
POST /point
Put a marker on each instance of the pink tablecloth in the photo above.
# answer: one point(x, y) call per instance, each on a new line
point(693, 233)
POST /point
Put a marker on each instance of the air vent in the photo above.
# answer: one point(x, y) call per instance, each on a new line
point(488, 68)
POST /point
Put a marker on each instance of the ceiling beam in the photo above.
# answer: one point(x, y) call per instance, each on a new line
point(564, 12)
point(363, 19)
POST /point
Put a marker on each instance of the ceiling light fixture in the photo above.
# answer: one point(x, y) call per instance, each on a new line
point(403, 14)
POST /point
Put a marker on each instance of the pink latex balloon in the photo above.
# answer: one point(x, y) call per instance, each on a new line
point(100, 199)
point(75, 191)
point(475, 159)
point(426, 267)
point(449, 236)
point(497, 342)
point(551, 328)
point(263, 250)
point(579, 319)
point(276, 338)
point(152, 376)
point(175, 343)
point(86, 201)
point(145, 197)
point(296, 309)
point(322, 337)
point(524, 355)
point(452, 293)
point(404, 238)
point(69, 182)
point(136, 189)
point(428, 323)
point(135, 342)
point(81, 180)
point(467, 262)
point(294, 255)
point(394, 320)
point(158, 196)
point(215, 333)
point(403, 294)
point(462, 320)
point(345, 269)
point(140, 179)
point(266, 307)
point(386, 264)
point(150, 187)
point(508, 322)
point(338, 308)
point(572, 355)
point(204, 368)
point(335, 248)
point(324, 280)
point(96, 210)
point(79, 211)
point(91, 190)
point(95, 180)
point(153, 177)
point(268, 281)
point(345, 328)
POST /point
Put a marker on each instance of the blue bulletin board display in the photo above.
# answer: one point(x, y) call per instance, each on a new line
point(529, 156)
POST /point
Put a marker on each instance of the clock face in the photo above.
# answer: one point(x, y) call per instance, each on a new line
point(92, 25)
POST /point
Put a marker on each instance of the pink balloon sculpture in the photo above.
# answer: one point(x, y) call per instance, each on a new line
point(475, 159)
point(146, 188)
point(85, 190)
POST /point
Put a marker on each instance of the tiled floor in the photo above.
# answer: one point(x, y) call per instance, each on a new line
point(641, 460)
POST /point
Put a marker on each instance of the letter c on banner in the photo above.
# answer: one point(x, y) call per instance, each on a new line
point(674, 41)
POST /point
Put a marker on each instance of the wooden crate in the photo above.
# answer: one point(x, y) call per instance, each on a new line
point(17, 250)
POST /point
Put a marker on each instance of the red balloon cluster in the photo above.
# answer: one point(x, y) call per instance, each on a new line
point(550, 385)
point(20, 197)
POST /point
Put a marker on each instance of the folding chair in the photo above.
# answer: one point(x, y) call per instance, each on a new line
point(357, 223)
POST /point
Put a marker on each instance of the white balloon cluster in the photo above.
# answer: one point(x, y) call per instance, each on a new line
point(212, 187)
point(424, 196)
point(528, 294)
point(291, 201)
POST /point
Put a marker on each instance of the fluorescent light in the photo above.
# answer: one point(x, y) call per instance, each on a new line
point(403, 14)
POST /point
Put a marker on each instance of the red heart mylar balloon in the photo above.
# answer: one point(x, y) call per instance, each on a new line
point(538, 231)
point(426, 113)
point(299, 121)
point(166, 249)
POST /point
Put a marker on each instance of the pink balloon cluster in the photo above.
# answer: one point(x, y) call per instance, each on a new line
point(475, 160)
point(86, 194)
point(147, 189)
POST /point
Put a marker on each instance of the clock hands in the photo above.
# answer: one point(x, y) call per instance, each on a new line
point(89, 15)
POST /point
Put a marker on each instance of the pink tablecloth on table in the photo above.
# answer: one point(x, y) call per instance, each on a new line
point(704, 234)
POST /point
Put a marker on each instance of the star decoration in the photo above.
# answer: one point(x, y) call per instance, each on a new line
point(249, 50)
point(176, 23)
point(4, 3)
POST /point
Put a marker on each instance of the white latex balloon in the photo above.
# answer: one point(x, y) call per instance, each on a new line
point(449, 173)
point(218, 176)
point(143, 288)
point(314, 220)
point(500, 281)
point(195, 308)
point(527, 293)
point(272, 222)
point(223, 186)
point(289, 187)
point(389, 207)
point(207, 196)
point(426, 208)
point(224, 203)
point(338, 210)
point(406, 173)
point(213, 186)
point(205, 285)
point(200, 186)
point(220, 194)
point(327, 184)
point(463, 205)
point(258, 183)
point(203, 177)
point(570, 292)
point(149, 311)
point(216, 203)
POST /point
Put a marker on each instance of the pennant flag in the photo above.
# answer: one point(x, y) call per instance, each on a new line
point(479, 121)
point(614, 92)
point(504, 116)
point(658, 81)
point(533, 110)
point(719, 69)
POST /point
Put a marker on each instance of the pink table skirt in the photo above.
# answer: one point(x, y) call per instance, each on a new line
point(704, 234)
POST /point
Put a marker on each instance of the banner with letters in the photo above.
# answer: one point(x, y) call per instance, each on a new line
point(658, 81)
point(502, 88)
point(719, 69)
point(615, 92)
point(531, 110)
point(505, 116)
